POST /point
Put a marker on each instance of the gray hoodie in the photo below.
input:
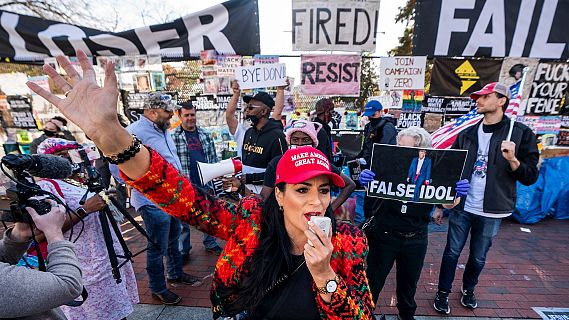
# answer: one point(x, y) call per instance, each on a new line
point(30, 294)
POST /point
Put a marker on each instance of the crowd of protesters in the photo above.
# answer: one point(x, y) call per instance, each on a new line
point(275, 264)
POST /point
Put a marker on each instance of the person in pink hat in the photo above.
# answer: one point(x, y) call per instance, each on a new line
point(500, 154)
point(299, 133)
point(276, 263)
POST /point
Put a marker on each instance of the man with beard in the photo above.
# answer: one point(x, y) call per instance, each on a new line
point(262, 142)
point(163, 229)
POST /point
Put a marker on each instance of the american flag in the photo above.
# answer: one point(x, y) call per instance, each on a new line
point(444, 137)
point(514, 104)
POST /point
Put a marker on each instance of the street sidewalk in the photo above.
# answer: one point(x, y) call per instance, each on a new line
point(523, 270)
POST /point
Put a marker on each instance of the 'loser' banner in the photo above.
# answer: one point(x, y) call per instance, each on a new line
point(497, 28)
point(231, 27)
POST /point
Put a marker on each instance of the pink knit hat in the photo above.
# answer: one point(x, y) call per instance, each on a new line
point(308, 127)
point(53, 145)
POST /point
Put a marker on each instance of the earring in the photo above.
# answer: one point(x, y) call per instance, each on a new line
point(281, 209)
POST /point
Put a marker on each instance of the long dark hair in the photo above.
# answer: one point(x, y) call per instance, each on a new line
point(272, 257)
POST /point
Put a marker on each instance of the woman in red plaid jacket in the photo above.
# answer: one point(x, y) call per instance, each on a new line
point(276, 264)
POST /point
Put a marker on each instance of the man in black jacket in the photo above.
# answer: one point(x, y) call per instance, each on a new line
point(262, 142)
point(323, 115)
point(494, 164)
point(380, 129)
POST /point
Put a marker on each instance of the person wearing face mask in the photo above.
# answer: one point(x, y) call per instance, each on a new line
point(54, 128)
point(262, 142)
point(323, 116)
point(380, 129)
point(237, 129)
point(298, 133)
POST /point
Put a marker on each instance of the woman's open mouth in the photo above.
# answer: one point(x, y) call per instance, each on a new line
point(308, 215)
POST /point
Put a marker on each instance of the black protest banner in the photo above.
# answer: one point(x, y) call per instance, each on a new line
point(334, 25)
point(461, 77)
point(563, 138)
point(549, 87)
point(231, 27)
point(349, 142)
point(409, 119)
point(19, 113)
point(497, 28)
point(355, 169)
point(415, 174)
point(448, 105)
point(210, 109)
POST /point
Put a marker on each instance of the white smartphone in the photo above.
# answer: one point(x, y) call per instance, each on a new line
point(324, 223)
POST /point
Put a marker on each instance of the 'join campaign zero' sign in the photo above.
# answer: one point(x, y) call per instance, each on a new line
point(415, 174)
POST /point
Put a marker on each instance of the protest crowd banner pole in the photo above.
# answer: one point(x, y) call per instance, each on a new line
point(520, 93)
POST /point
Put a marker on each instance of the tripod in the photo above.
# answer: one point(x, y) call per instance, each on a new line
point(94, 184)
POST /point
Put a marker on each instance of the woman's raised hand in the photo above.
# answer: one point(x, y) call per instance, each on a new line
point(89, 106)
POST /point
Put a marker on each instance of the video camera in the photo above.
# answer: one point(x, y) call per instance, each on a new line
point(24, 167)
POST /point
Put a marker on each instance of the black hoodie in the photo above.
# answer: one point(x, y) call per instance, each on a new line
point(260, 146)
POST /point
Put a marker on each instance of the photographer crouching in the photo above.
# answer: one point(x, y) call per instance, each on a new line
point(30, 294)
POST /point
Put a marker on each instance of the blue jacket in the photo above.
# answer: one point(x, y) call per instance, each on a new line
point(424, 174)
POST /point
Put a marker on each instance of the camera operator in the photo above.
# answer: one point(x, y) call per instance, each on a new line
point(30, 294)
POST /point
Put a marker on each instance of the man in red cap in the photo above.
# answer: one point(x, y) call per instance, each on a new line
point(496, 161)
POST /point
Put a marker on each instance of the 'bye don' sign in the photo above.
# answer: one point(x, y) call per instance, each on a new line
point(261, 76)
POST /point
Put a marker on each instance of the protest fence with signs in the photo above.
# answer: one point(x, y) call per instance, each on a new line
point(415, 174)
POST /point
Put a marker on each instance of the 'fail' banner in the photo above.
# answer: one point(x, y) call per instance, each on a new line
point(330, 75)
point(338, 25)
point(231, 27)
point(496, 28)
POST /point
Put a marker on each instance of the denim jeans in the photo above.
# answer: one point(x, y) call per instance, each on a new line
point(408, 254)
point(482, 230)
point(185, 244)
point(164, 230)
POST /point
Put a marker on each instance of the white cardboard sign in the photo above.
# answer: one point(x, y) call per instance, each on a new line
point(261, 76)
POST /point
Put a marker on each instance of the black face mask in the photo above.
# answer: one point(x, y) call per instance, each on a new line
point(374, 121)
point(49, 133)
point(253, 118)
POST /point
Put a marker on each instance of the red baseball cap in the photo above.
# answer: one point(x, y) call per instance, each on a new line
point(492, 87)
point(304, 163)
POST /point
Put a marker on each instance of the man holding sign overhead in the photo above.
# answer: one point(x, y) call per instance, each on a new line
point(500, 153)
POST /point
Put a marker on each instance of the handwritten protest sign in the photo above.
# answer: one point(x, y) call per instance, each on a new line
point(550, 85)
point(402, 73)
point(327, 75)
point(339, 25)
point(415, 174)
point(261, 76)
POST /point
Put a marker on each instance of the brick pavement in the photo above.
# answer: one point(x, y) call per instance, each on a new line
point(523, 270)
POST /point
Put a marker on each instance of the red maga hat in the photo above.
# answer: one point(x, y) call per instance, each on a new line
point(304, 163)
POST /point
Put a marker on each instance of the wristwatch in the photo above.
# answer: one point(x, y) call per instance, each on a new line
point(331, 286)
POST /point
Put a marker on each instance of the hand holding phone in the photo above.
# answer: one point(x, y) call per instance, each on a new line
point(324, 223)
